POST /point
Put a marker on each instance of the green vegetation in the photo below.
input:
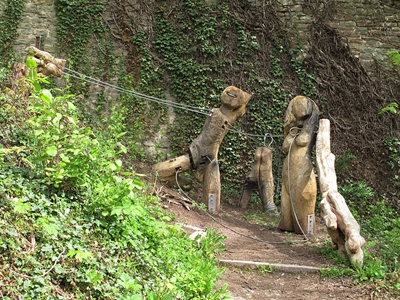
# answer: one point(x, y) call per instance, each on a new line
point(77, 222)
point(9, 21)
point(392, 143)
point(380, 225)
point(264, 270)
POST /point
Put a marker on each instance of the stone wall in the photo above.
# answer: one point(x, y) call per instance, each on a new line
point(370, 27)
point(38, 20)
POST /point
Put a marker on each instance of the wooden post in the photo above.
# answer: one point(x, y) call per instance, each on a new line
point(260, 177)
point(299, 187)
point(341, 224)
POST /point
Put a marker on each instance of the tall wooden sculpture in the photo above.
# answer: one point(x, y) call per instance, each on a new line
point(203, 152)
point(261, 178)
point(342, 227)
point(299, 187)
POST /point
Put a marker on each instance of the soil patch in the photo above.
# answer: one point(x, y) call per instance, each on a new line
point(252, 239)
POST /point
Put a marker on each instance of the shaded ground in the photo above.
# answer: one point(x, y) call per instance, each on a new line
point(242, 228)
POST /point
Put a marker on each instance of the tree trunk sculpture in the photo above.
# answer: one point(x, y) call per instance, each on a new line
point(203, 152)
point(260, 177)
point(299, 187)
point(47, 64)
point(342, 227)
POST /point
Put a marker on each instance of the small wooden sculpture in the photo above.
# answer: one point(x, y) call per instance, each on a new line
point(203, 152)
point(260, 177)
point(342, 227)
point(299, 187)
point(47, 64)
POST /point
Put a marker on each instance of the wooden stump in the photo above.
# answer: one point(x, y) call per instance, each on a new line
point(167, 170)
point(260, 177)
point(47, 64)
point(341, 224)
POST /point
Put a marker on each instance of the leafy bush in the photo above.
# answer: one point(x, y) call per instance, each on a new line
point(77, 223)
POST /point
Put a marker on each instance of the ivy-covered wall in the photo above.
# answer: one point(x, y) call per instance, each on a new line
point(38, 19)
point(370, 27)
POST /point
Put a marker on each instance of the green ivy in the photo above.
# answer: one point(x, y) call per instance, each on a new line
point(9, 21)
point(204, 48)
point(78, 22)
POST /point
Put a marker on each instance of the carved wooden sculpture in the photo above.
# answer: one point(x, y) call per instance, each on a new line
point(299, 187)
point(260, 177)
point(203, 152)
point(47, 64)
point(342, 227)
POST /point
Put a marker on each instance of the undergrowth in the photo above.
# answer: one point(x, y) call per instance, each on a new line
point(78, 223)
point(380, 226)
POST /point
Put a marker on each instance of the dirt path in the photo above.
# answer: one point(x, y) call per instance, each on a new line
point(243, 231)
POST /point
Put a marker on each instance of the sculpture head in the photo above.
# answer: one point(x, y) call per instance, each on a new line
point(301, 112)
point(234, 99)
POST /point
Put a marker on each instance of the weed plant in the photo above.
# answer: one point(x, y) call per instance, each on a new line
point(77, 223)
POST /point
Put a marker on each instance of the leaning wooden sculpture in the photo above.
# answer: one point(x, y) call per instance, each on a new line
point(261, 178)
point(342, 227)
point(203, 152)
point(46, 65)
point(299, 187)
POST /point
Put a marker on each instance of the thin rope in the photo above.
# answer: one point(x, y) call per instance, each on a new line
point(229, 228)
point(199, 110)
point(92, 80)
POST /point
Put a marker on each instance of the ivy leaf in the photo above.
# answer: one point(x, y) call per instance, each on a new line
point(21, 207)
point(79, 254)
point(48, 225)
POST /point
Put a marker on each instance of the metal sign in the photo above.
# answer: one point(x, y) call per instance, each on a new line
point(211, 202)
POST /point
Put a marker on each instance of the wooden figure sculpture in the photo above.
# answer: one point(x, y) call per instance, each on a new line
point(299, 187)
point(260, 177)
point(342, 227)
point(203, 152)
point(46, 65)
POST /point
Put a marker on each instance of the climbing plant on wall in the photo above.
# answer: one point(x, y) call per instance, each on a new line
point(9, 21)
point(205, 47)
point(78, 22)
point(201, 48)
